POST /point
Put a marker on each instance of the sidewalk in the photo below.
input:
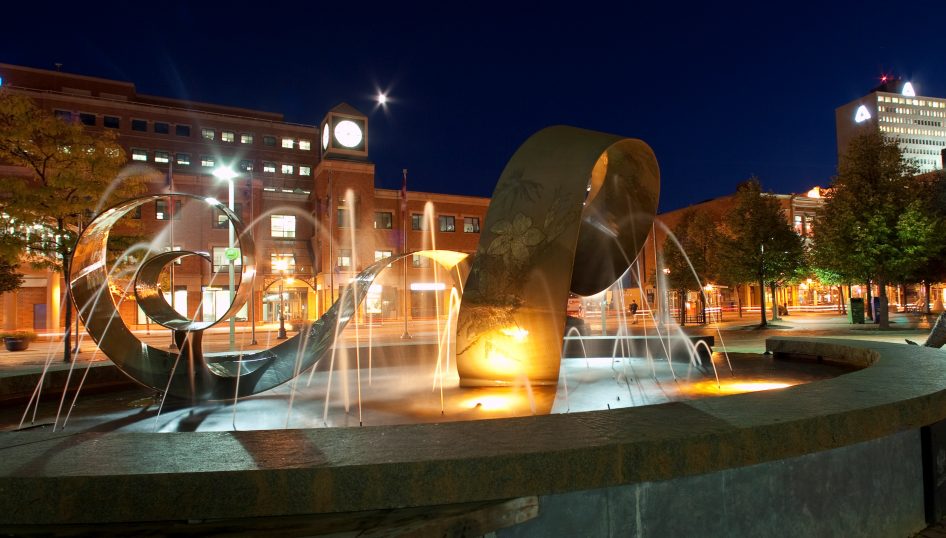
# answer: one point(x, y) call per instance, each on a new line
point(740, 334)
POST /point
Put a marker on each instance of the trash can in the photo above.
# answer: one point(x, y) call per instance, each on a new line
point(855, 313)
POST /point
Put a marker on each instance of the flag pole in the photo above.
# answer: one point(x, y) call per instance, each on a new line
point(406, 335)
point(170, 189)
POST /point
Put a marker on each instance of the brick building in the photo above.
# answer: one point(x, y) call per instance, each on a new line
point(307, 192)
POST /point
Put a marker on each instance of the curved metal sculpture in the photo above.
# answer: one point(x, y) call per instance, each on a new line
point(191, 374)
point(570, 212)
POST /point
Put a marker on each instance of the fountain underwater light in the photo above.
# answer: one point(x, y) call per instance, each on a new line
point(570, 213)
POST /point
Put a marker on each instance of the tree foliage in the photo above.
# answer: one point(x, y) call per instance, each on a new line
point(757, 244)
point(690, 253)
point(876, 223)
point(57, 175)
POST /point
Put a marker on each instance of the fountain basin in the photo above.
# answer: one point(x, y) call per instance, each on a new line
point(658, 347)
point(840, 456)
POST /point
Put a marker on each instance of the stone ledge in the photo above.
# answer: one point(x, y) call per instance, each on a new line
point(62, 479)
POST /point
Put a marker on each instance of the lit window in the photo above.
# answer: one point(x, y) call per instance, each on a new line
point(288, 143)
point(139, 125)
point(112, 122)
point(286, 169)
point(221, 263)
point(246, 166)
point(246, 138)
point(448, 223)
point(176, 249)
point(269, 141)
point(344, 258)
point(161, 210)
point(471, 224)
point(305, 170)
point(220, 220)
point(383, 220)
point(269, 167)
point(418, 222)
point(208, 134)
point(162, 157)
point(227, 136)
point(161, 127)
point(420, 261)
point(342, 218)
point(206, 161)
point(282, 225)
point(182, 130)
point(382, 254)
point(139, 155)
point(305, 145)
point(183, 159)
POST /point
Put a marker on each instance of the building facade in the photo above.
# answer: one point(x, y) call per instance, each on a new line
point(800, 211)
point(917, 123)
point(306, 192)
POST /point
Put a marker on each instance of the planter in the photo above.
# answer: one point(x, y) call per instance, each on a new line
point(16, 344)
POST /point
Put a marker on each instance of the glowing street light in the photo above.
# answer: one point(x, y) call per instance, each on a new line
point(226, 174)
point(382, 99)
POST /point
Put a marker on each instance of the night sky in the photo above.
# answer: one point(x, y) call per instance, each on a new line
point(720, 93)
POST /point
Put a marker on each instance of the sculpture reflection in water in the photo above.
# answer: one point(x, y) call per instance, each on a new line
point(570, 212)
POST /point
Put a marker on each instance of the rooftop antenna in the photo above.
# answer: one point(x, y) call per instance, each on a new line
point(58, 66)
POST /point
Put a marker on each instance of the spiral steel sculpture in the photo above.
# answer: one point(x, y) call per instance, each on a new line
point(189, 373)
point(570, 212)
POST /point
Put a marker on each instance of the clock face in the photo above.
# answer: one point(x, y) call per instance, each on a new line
point(325, 137)
point(348, 133)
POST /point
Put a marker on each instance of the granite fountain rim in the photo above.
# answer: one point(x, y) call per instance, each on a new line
point(128, 477)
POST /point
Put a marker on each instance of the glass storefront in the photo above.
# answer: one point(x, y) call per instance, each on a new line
point(180, 305)
point(214, 303)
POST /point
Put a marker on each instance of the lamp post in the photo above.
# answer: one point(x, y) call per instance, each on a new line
point(227, 175)
point(281, 266)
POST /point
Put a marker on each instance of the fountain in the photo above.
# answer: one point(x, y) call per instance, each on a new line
point(570, 213)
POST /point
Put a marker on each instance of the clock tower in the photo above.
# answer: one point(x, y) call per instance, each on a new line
point(344, 198)
point(345, 134)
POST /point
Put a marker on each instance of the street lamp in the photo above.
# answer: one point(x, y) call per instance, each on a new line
point(282, 265)
point(227, 174)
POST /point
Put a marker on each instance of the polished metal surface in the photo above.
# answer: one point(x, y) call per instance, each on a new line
point(189, 374)
point(151, 299)
point(571, 211)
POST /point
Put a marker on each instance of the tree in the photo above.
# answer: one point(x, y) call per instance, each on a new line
point(875, 223)
point(758, 244)
point(60, 175)
point(933, 191)
point(690, 255)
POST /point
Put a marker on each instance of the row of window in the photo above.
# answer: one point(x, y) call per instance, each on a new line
point(209, 161)
point(162, 127)
point(911, 131)
point(247, 138)
point(286, 261)
point(911, 121)
point(284, 226)
point(384, 220)
point(915, 102)
point(909, 112)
